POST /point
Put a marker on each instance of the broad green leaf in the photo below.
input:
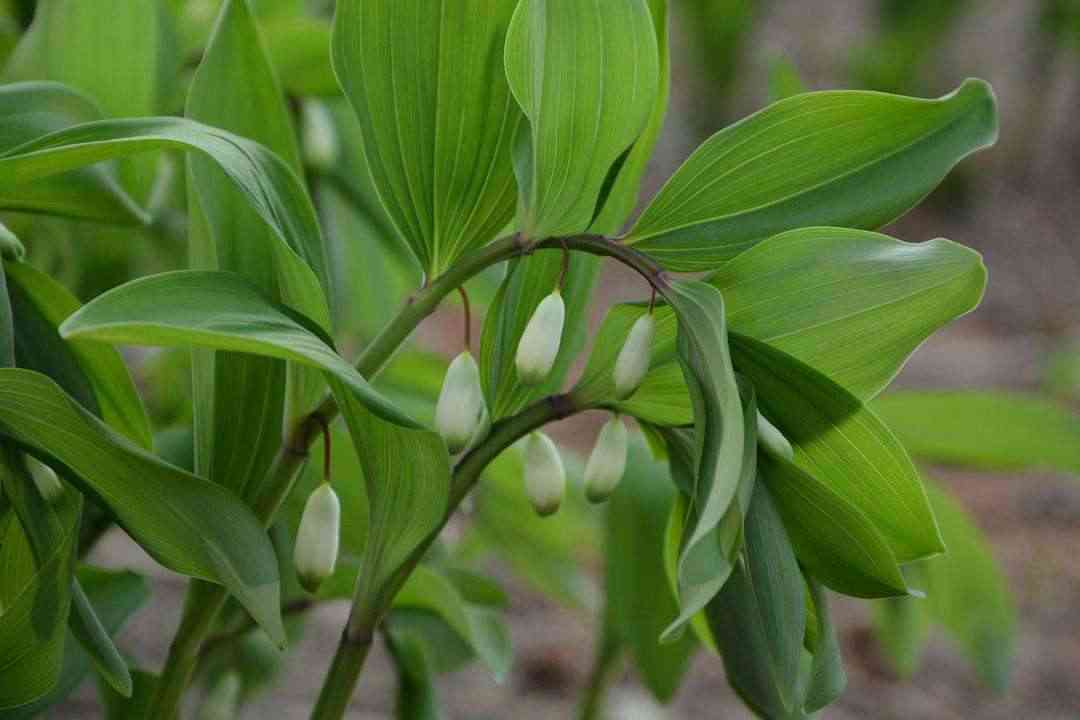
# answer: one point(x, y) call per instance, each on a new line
point(968, 595)
point(833, 539)
point(240, 399)
point(622, 198)
point(586, 75)
point(639, 602)
point(528, 281)
point(406, 475)
point(272, 189)
point(300, 48)
point(188, 524)
point(426, 81)
point(32, 109)
point(844, 445)
point(222, 311)
point(115, 596)
point(845, 158)
point(851, 304)
point(996, 431)
point(759, 617)
point(42, 305)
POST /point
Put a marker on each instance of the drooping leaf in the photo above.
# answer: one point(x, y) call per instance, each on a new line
point(827, 678)
point(187, 523)
point(844, 158)
point(222, 311)
point(267, 183)
point(42, 304)
point(995, 431)
point(30, 110)
point(833, 538)
point(844, 445)
point(428, 86)
point(586, 75)
point(759, 617)
point(639, 601)
point(851, 304)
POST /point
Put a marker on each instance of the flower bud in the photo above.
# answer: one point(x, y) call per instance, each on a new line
point(461, 409)
point(319, 140)
point(773, 440)
point(545, 478)
point(540, 342)
point(45, 479)
point(607, 463)
point(633, 362)
point(317, 539)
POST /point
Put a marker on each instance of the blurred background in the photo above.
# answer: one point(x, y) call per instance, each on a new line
point(1017, 204)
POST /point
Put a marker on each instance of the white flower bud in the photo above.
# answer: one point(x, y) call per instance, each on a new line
point(545, 478)
point(461, 409)
point(773, 440)
point(540, 342)
point(45, 479)
point(320, 140)
point(607, 463)
point(316, 549)
point(633, 362)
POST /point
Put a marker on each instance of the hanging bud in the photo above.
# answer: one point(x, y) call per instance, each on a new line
point(607, 463)
point(540, 342)
point(461, 409)
point(773, 440)
point(545, 478)
point(633, 362)
point(317, 539)
point(45, 479)
point(320, 140)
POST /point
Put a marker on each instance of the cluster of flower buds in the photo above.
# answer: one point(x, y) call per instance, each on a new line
point(45, 479)
point(545, 477)
point(316, 549)
point(461, 415)
point(539, 345)
point(607, 463)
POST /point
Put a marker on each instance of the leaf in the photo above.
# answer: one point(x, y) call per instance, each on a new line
point(417, 696)
point(996, 431)
point(42, 304)
point(586, 75)
point(138, 706)
point(622, 199)
point(844, 445)
point(853, 305)
point(7, 325)
point(30, 110)
point(528, 281)
point(902, 628)
point(217, 310)
point(188, 524)
point(759, 617)
point(639, 602)
point(272, 189)
point(845, 158)
point(407, 501)
point(827, 679)
point(300, 48)
point(428, 86)
point(833, 538)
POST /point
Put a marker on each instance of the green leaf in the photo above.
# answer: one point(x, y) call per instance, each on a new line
point(844, 445)
point(222, 311)
point(272, 189)
point(902, 627)
point(827, 679)
point(32, 109)
point(41, 305)
point(759, 617)
point(188, 524)
point(10, 247)
point(622, 198)
point(586, 75)
point(852, 304)
point(639, 601)
point(300, 48)
point(844, 158)
point(833, 539)
point(407, 501)
point(138, 705)
point(7, 324)
point(997, 431)
point(438, 121)
point(528, 281)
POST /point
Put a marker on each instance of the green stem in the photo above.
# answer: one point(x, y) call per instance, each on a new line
point(608, 653)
